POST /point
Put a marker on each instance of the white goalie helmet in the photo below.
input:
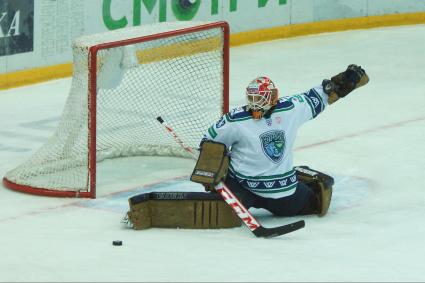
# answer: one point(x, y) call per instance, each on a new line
point(261, 95)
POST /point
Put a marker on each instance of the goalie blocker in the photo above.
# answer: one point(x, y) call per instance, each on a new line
point(212, 164)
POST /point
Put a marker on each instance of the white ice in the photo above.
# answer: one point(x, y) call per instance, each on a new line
point(372, 142)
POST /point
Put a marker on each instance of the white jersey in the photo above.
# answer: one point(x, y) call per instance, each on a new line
point(261, 150)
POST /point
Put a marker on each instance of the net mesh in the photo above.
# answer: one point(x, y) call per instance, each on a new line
point(179, 78)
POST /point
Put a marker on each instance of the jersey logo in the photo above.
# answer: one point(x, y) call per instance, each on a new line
point(269, 184)
point(252, 184)
point(273, 144)
point(315, 101)
point(220, 123)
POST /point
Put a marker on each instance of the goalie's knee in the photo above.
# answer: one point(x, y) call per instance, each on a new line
point(321, 185)
point(196, 210)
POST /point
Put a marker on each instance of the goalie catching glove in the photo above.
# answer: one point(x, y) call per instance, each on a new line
point(212, 164)
point(345, 82)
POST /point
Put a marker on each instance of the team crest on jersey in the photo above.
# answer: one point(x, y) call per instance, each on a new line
point(220, 123)
point(273, 144)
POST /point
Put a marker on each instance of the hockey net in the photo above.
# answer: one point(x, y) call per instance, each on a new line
point(122, 80)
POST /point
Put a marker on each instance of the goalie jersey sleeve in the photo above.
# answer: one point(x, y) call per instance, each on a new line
point(261, 150)
point(309, 104)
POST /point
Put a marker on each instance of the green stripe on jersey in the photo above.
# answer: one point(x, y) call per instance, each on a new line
point(284, 108)
point(212, 132)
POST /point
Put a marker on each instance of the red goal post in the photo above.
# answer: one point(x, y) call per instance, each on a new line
point(122, 81)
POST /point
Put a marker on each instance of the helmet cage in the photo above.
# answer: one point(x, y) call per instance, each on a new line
point(261, 94)
point(259, 100)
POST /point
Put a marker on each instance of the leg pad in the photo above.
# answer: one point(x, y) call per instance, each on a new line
point(195, 210)
point(321, 185)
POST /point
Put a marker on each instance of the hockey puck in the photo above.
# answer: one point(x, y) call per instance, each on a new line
point(117, 243)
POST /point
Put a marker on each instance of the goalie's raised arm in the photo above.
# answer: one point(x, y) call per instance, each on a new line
point(345, 82)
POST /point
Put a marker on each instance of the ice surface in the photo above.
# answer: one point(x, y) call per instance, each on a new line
point(372, 142)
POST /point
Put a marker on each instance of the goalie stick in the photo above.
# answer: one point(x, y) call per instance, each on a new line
point(253, 225)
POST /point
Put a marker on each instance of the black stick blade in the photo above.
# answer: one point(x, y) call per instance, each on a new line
point(278, 231)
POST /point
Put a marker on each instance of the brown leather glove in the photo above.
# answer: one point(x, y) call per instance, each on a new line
point(345, 82)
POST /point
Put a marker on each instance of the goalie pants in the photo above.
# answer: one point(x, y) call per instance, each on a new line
point(302, 202)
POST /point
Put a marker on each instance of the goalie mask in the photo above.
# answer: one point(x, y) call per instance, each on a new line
point(261, 95)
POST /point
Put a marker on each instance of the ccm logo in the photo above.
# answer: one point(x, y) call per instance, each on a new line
point(239, 209)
